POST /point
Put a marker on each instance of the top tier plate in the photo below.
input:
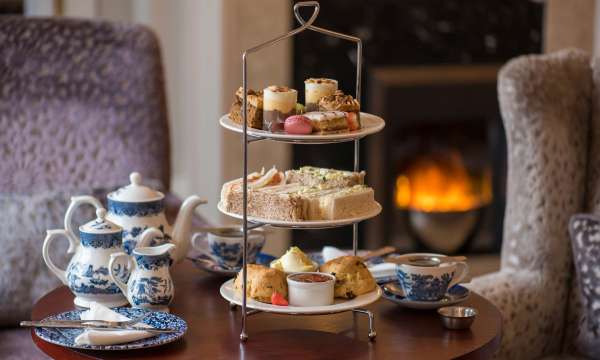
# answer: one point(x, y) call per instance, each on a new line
point(371, 124)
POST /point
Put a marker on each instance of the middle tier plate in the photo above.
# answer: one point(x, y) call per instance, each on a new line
point(340, 305)
point(307, 224)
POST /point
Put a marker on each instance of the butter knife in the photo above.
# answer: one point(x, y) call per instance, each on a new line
point(59, 324)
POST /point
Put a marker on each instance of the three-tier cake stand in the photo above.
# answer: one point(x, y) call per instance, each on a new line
point(247, 138)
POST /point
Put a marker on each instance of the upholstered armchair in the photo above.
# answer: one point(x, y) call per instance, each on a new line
point(547, 102)
point(82, 104)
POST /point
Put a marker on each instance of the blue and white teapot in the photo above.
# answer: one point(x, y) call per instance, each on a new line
point(87, 274)
point(137, 207)
point(150, 285)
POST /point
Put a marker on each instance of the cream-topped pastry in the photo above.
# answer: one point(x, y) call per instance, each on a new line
point(317, 88)
point(294, 260)
point(279, 102)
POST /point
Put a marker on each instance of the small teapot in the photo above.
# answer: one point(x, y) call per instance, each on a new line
point(136, 207)
point(87, 274)
point(150, 285)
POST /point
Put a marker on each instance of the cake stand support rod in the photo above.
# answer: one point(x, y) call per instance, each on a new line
point(304, 26)
point(359, 59)
point(356, 169)
point(372, 332)
point(243, 334)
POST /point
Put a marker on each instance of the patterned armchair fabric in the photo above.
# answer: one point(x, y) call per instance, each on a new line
point(82, 104)
point(580, 337)
point(545, 104)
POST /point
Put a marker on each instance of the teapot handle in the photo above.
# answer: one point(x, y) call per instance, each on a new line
point(148, 235)
point(130, 266)
point(77, 201)
point(50, 236)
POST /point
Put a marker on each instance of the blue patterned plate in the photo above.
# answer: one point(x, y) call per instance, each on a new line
point(455, 294)
point(158, 320)
point(205, 262)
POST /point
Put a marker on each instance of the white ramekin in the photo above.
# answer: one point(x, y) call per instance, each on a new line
point(310, 294)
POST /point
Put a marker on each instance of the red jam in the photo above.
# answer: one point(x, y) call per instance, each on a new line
point(310, 278)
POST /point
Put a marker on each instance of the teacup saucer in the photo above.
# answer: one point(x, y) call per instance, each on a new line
point(455, 294)
point(206, 263)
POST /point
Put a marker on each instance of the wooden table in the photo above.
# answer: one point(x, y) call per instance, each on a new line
point(213, 330)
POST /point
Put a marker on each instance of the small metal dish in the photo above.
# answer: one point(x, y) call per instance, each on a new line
point(457, 317)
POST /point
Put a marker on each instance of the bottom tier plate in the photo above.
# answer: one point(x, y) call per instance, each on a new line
point(307, 224)
point(340, 305)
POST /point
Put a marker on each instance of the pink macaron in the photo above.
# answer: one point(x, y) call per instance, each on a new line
point(298, 125)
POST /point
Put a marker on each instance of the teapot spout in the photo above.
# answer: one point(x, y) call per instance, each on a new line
point(183, 226)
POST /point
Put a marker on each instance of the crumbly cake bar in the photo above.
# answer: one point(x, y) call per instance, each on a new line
point(254, 111)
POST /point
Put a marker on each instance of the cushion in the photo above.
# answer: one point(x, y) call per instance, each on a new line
point(585, 241)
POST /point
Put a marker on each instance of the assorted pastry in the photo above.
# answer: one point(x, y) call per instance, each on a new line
point(345, 277)
point(308, 193)
point(327, 110)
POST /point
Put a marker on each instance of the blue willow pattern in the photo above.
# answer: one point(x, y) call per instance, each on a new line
point(227, 254)
point(135, 209)
point(151, 291)
point(104, 241)
point(424, 287)
point(84, 279)
point(155, 262)
point(130, 238)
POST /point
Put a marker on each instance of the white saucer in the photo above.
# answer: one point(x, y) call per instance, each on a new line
point(340, 305)
point(370, 124)
point(308, 224)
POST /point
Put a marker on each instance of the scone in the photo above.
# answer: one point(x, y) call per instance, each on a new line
point(261, 283)
point(352, 278)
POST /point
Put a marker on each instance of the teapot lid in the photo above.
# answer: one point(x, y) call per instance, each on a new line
point(135, 192)
point(100, 225)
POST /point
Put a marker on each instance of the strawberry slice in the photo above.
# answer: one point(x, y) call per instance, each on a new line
point(278, 299)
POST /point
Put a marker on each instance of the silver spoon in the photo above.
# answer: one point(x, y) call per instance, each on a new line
point(394, 288)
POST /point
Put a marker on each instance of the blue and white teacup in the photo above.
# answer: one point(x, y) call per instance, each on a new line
point(226, 247)
point(430, 283)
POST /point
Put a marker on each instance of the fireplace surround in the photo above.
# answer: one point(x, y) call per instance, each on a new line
point(440, 166)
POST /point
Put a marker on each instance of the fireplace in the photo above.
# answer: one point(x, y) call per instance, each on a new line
point(430, 69)
point(439, 166)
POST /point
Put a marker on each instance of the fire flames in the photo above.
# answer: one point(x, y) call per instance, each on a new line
point(442, 184)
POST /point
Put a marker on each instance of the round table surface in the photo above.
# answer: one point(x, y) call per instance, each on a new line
point(213, 329)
